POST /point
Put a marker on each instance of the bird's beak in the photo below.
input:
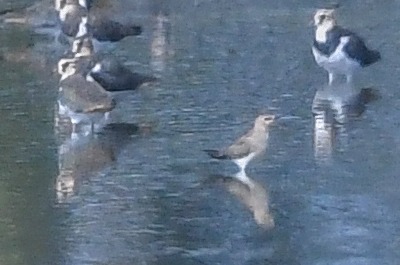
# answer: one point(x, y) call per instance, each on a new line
point(311, 22)
point(280, 121)
point(275, 117)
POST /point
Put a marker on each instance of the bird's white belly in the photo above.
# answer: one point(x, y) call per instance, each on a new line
point(77, 118)
point(242, 162)
point(337, 63)
point(66, 111)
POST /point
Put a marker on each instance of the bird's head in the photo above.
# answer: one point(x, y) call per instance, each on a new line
point(65, 182)
point(66, 67)
point(69, 8)
point(324, 16)
point(60, 4)
point(75, 2)
point(83, 29)
point(263, 121)
point(82, 47)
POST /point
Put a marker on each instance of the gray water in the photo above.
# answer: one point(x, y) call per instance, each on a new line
point(149, 195)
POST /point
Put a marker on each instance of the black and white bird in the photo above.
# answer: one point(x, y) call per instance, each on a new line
point(73, 16)
point(114, 76)
point(105, 69)
point(338, 50)
point(103, 29)
point(82, 101)
point(60, 4)
point(249, 146)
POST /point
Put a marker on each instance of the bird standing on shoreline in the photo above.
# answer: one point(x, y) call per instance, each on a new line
point(338, 50)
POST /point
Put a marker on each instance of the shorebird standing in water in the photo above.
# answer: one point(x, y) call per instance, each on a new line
point(104, 29)
point(106, 69)
point(338, 50)
point(81, 100)
point(70, 15)
point(247, 147)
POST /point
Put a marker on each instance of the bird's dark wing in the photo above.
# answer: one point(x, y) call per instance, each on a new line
point(109, 30)
point(358, 51)
point(355, 48)
point(239, 149)
point(114, 76)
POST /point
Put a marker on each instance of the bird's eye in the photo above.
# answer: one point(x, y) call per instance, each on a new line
point(64, 66)
point(267, 118)
point(322, 17)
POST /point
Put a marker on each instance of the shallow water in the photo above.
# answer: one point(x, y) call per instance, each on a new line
point(149, 195)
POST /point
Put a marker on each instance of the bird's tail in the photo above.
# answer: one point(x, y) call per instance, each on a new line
point(138, 79)
point(373, 57)
point(133, 30)
point(146, 79)
point(216, 154)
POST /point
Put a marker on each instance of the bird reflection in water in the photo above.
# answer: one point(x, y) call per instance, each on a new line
point(333, 107)
point(161, 48)
point(252, 194)
point(87, 155)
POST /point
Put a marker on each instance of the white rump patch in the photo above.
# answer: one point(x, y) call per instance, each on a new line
point(96, 68)
point(89, 78)
point(83, 3)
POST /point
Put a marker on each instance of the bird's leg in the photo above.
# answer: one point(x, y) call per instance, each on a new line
point(56, 39)
point(106, 116)
point(73, 127)
point(91, 127)
point(349, 79)
point(242, 172)
point(331, 76)
point(74, 136)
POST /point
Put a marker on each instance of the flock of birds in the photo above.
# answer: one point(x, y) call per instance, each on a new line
point(90, 78)
point(88, 81)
